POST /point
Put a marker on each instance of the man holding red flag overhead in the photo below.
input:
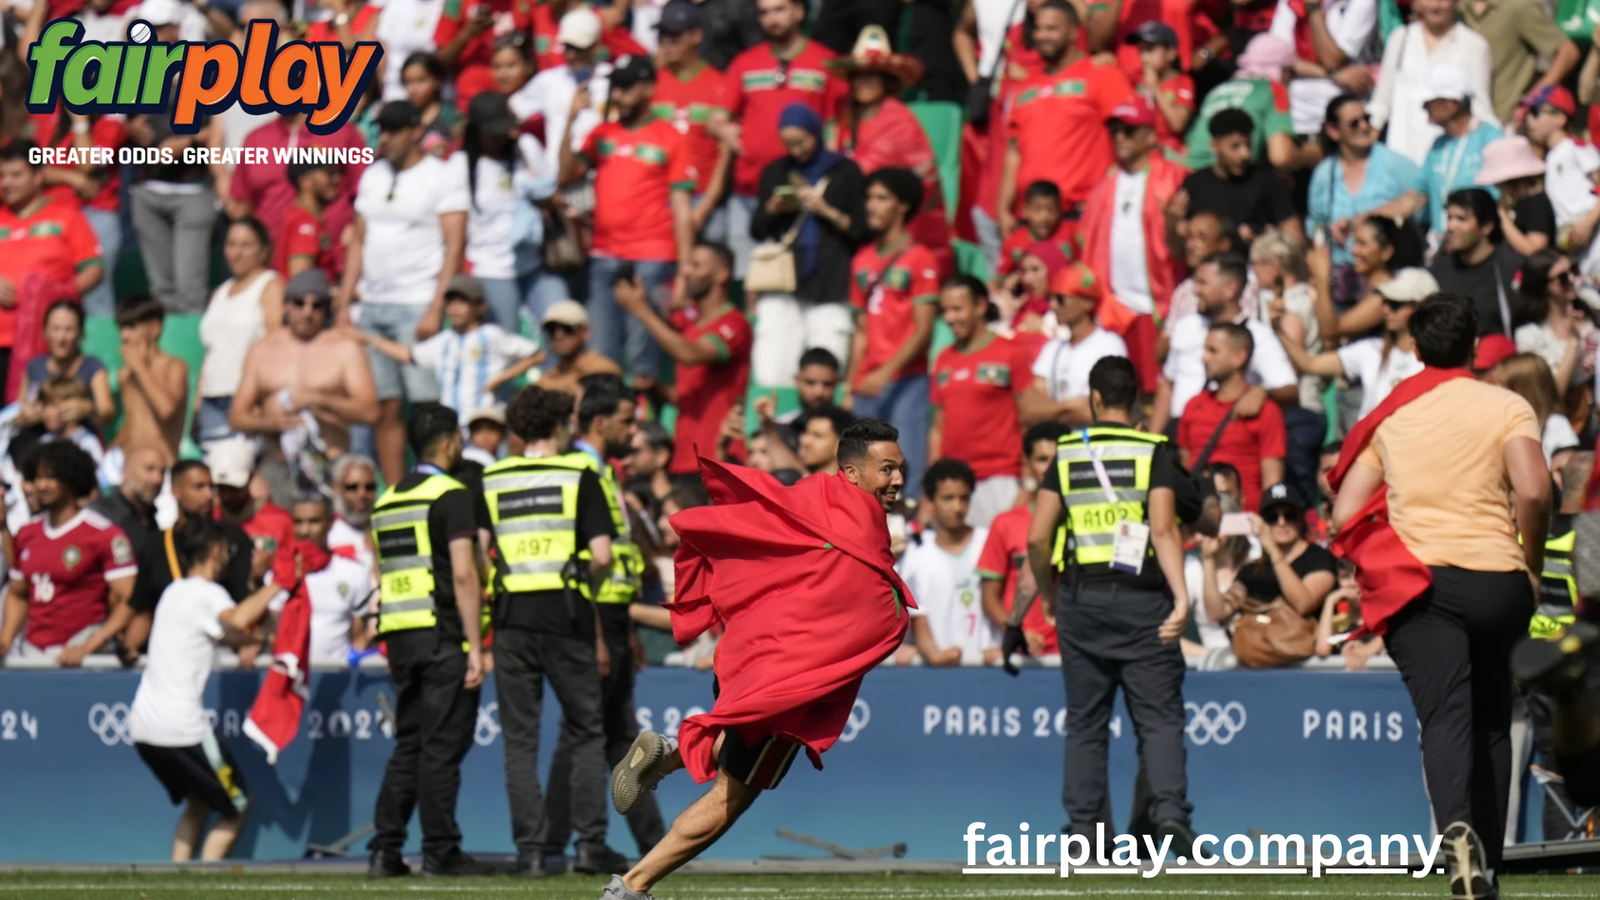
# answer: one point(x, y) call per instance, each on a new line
point(1452, 467)
point(798, 637)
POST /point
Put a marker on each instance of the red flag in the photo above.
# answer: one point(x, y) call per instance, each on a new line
point(803, 582)
point(1389, 575)
point(274, 719)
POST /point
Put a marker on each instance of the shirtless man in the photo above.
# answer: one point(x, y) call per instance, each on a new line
point(155, 384)
point(566, 339)
point(304, 368)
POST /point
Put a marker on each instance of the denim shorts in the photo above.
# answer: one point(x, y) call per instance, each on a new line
point(398, 323)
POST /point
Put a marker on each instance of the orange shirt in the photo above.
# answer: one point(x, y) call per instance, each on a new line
point(636, 172)
point(1443, 458)
point(687, 103)
point(55, 243)
point(1058, 122)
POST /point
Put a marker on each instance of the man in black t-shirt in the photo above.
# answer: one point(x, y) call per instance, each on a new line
point(1255, 197)
point(1475, 262)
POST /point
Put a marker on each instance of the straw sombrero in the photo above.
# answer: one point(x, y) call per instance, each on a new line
point(873, 53)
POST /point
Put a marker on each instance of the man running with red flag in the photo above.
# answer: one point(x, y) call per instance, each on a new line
point(1433, 488)
point(798, 636)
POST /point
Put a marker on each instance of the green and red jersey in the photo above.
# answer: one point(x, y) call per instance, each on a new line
point(55, 243)
point(707, 392)
point(1058, 122)
point(756, 89)
point(886, 287)
point(304, 233)
point(473, 75)
point(977, 389)
point(687, 103)
point(636, 171)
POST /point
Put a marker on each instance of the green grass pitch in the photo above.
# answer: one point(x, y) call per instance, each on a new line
point(219, 886)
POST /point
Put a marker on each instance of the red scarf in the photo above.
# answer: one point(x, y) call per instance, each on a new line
point(275, 718)
point(1389, 575)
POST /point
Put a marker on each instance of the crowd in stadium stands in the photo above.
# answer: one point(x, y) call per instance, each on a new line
point(771, 217)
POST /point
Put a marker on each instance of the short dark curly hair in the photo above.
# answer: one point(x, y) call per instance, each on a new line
point(534, 413)
point(429, 423)
point(67, 463)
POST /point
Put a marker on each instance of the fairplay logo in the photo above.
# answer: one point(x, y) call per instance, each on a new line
point(134, 76)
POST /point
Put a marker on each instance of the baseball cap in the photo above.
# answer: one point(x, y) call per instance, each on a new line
point(466, 287)
point(1076, 280)
point(398, 114)
point(1551, 95)
point(679, 16)
point(1409, 285)
point(567, 312)
point(1135, 113)
point(1281, 495)
point(1446, 81)
point(311, 282)
point(631, 70)
point(1154, 32)
point(491, 113)
point(232, 461)
point(579, 28)
point(495, 414)
point(1493, 349)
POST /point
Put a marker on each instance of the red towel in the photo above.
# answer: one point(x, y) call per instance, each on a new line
point(803, 582)
point(275, 717)
point(1390, 577)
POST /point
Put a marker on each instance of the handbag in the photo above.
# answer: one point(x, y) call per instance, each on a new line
point(980, 97)
point(773, 268)
point(563, 244)
point(1271, 635)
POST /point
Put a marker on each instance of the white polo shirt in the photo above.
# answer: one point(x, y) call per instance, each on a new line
point(339, 593)
point(1065, 366)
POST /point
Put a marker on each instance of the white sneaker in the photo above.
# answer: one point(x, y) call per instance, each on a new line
point(1466, 864)
point(616, 890)
point(640, 771)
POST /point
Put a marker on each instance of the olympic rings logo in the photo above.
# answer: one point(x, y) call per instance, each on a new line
point(1213, 722)
point(110, 723)
point(488, 727)
point(860, 715)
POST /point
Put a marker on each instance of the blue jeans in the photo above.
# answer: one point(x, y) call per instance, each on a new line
point(213, 419)
point(1306, 432)
point(741, 210)
point(903, 404)
point(102, 300)
point(536, 292)
point(614, 333)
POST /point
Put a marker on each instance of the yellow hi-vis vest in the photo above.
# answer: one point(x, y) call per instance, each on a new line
point(1558, 592)
point(533, 504)
point(405, 554)
point(627, 566)
point(1092, 517)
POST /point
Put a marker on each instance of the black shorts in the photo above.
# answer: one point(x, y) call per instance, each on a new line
point(761, 765)
point(205, 770)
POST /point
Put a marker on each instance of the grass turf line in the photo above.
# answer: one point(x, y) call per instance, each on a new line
point(213, 886)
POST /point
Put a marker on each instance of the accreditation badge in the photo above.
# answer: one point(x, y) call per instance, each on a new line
point(1129, 547)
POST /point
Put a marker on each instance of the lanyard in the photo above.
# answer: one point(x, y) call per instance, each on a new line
point(1099, 468)
point(429, 469)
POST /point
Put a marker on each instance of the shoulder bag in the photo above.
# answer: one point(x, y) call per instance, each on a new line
point(773, 269)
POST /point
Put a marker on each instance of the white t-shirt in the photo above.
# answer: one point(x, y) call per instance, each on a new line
point(404, 28)
point(1567, 167)
point(1130, 279)
point(549, 94)
point(343, 535)
point(1538, 339)
point(404, 247)
point(1186, 369)
point(1364, 363)
point(464, 363)
point(232, 323)
point(950, 594)
point(1212, 634)
point(489, 220)
point(168, 710)
point(1557, 436)
point(339, 594)
point(1065, 366)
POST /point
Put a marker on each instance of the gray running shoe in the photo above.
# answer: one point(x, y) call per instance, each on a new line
point(616, 890)
point(640, 771)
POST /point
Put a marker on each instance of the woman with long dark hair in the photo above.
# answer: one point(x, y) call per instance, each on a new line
point(503, 169)
point(1527, 376)
point(1379, 247)
point(1543, 320)
point(424, 77)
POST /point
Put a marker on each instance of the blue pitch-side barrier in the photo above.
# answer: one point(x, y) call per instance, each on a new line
point(926, 753)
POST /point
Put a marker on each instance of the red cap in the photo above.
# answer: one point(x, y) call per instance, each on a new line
point(1551, 95)
point(1076, 280)
point(1136, 113)
point(1493, 349)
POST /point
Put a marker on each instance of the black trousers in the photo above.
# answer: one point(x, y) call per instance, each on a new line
point(523, 659)
point(1094, 624)
point(434, 719)
point(1453, 647)
point(621, 727)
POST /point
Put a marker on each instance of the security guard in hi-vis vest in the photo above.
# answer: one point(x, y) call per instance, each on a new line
point(552, 554)
point(605, 432)
point(429, 601)
point(1121, 601)
point(1558, 585)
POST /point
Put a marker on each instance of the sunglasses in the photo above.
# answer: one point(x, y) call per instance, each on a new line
point(1281, 517)
point(1564, 278)
point(556, 329)
point(1121, 129)
point(1396, 305)
point(367, 487)
point(1358, 120)
point(313, 302)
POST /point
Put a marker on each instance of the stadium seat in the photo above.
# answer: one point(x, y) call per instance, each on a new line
point(942, 123)
point(180, 336)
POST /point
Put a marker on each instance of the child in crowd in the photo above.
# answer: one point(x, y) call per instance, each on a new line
point(486, 431)
point(63, 399)
point(471, 355)
point(1041, 210)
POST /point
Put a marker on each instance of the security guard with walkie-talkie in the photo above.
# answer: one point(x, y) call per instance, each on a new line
point(429, 603)
point(1122, 602)
point(552, 552)
point(605, 432)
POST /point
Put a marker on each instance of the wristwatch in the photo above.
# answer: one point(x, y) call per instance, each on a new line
point(341, 20)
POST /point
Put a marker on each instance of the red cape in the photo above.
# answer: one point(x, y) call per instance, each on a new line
point(1390, 577)
point(803, 583)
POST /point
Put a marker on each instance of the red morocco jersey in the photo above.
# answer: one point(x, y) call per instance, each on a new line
point(978, 392)
point(1058, 122)
point(887, 287)
point(66, 570)
point(636, 171)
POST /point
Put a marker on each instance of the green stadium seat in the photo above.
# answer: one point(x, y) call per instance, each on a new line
point(942, 123)
point(970, 259)
point(180, 336)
